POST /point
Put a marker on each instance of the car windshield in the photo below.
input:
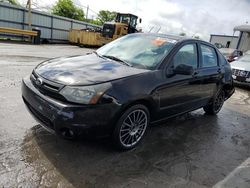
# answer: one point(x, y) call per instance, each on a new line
point(245, 58)
point(137, 50)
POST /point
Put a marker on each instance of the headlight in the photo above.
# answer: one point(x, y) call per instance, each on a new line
point(84, 94)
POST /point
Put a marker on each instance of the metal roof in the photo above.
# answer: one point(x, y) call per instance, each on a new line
point(245, 28)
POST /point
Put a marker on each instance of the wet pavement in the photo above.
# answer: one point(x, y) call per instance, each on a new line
point(193, 150)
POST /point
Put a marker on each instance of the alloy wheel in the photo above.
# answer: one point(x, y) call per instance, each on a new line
point(133, 128)
point(219, 101)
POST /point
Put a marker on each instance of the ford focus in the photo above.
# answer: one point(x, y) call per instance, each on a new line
point(124, 86)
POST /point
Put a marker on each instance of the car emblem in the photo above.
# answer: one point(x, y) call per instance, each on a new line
point(39, 81)
point(243, 73)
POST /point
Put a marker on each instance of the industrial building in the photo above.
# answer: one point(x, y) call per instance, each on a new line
point(241, 42)
point(224, 41)
point(244, 37)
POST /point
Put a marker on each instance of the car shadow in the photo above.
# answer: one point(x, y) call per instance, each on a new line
point(184, 147)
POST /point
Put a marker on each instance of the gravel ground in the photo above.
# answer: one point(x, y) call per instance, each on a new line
point(193, 150)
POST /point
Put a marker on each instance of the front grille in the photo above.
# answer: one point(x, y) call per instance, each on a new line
point(46, 121)
point(46, 87)
point(241, 73)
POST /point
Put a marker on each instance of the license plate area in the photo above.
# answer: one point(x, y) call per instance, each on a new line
point(240, 78)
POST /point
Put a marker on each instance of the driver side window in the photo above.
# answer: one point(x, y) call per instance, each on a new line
point(186, 55)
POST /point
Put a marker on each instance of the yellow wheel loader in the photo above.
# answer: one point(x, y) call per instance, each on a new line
point(123, 25)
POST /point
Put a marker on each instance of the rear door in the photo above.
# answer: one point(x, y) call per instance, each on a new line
point(210, 71)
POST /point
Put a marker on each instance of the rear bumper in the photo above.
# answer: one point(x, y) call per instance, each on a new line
point(55, 115)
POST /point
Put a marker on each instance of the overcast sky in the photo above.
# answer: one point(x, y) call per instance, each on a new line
point(203, 17)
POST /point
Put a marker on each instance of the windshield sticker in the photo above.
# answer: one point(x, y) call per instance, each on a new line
point(160, 41)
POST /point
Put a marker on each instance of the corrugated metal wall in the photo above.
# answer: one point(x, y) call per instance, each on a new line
point(53, 28)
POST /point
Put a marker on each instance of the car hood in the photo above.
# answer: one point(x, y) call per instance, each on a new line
point(240, 65)
point(84, 70)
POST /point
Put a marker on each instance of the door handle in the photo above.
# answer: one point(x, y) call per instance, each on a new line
point(195, 74)
point(219, 70)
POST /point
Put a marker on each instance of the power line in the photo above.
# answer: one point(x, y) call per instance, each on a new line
point(87, 7)
point(45, 8)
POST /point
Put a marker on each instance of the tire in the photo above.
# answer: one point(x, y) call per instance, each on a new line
point(217, 102)
point(131, 127)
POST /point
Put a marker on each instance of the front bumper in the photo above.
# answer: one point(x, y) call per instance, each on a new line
point(55, 115)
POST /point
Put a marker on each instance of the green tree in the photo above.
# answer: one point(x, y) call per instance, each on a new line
point(13, 2)
point(67, 9)
point(106, 16)
point(96, 22)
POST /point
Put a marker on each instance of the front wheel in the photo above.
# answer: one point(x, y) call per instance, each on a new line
point(215, 106)
point(131, 127)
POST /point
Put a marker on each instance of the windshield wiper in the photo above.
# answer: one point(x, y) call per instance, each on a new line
point(95, 52)
point(117, 59)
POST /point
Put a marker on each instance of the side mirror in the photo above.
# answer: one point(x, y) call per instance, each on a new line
point(184, 69)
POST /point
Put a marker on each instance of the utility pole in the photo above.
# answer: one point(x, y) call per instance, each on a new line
point(29, 13)
point(87, 12)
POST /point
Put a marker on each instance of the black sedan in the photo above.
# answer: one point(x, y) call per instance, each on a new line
point(127, 84)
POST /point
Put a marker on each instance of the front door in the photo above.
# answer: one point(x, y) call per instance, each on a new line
point(180, 93)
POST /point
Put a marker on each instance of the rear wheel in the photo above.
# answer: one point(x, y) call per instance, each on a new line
point(131, 127)
point(215, 106)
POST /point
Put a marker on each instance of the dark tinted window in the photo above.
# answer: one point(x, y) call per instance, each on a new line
point(209, 57)
point(186, 55)
point(222, 59)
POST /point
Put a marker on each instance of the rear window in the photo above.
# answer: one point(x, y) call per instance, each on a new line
point(222, 59)
point(209, 57)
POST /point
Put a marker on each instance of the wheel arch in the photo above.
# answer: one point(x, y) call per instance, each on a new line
point(228, 88)
point(148, 103)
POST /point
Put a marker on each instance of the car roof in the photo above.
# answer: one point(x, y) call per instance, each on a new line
point(174, 37)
